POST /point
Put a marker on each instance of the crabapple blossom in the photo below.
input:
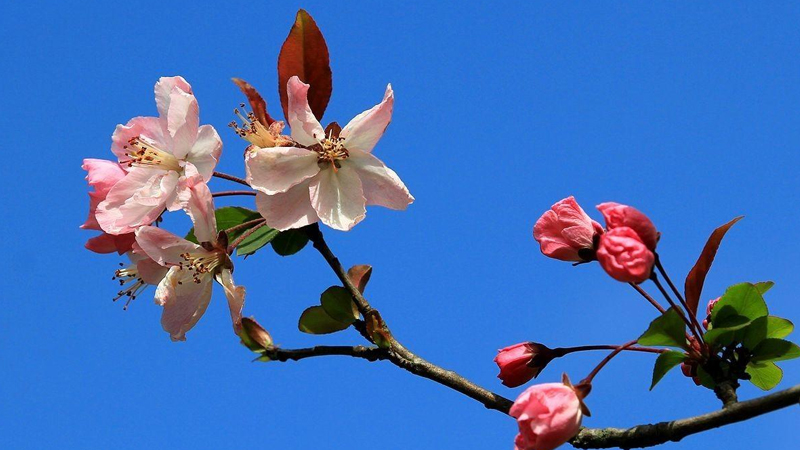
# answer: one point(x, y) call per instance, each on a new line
point(141, 272)
point(566, 232)
point(624, 256)
point(548, 415)
point(102, 175)
point(327, 176)
point(158, 151)
point(185, 289)
point(519, 363)
point(618, 215)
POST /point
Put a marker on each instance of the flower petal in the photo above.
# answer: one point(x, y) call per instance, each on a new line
point(183, 121)
point(206, 151)
point(164, 247)
point(184, 301)
point(290, 209)
point(381, 184)
point(150, 127)
point(305, 127)
point(102, 174)
point(364, 131)
point(197, 201)
point(235, 295)
point(277, 169)
point(338, 198)
point(136, 200)
point(164, 88)
point(109, 243)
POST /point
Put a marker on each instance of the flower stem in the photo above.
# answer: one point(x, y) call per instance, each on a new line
point(647, 296)
point(561, 351)
point(678, 309)
point(244, 225)
point(244, 236)
point(225, 176)
point(693, 317)
point(590, 377)
point(230, 193)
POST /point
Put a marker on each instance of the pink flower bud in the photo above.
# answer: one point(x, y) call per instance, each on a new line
point(709, 308)
point(624, 256)
point(548, 415)
point(566, 232)
point(521, 362)
point(617, 216)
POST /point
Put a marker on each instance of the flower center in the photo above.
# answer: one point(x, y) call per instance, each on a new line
point(131, 284)
point(256, 133)
point(144, 153)
point(331, 150)
point(205, 262)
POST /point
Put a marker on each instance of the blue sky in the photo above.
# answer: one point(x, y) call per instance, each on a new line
point(687, 111)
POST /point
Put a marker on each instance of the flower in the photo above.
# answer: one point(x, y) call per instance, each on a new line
point(134, 278)
point(709, 308)
point(158, 152)
point(328, 175)
point(185, 289)
point(566, 232)
point(548, 415)
point(521, 362)
point(102, 175)
point(624, 256)
point(618, 215)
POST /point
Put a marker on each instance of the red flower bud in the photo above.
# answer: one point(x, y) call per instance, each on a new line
point(521, 362)
point(624, 256)
point(618, 215)
point(566, 232)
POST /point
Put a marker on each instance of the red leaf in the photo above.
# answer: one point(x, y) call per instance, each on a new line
point(257, 103)
point(359, 275)
point(697, 276)
point(305, 54)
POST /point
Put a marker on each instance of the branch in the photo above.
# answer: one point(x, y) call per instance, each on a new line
point(398, 354)
point(659, 433)
point(359, 351)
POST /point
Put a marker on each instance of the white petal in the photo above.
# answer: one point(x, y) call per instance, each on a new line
point(206, 151)
point(164, 247)
point(364, 131)
point(381, 184)
point(183, 120)
point(305, 126)
point(197, 201)
point(163, 89)
point(184, 300)
point(338, 198)
point(235, 295)
point(287, 210)
point(136, 200)
point(276, 169)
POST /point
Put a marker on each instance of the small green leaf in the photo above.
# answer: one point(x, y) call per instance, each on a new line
point(256, 240)
point(742, 299)
point(775, 350)
point(664, 363)
point(723, 333)
point(228, 217)
point(766, 327)
point(315, 320)
point(706, 380)
point(289, 242)
point(338, 303)
point(667, 330)
point(764, 286)
point(765, 375)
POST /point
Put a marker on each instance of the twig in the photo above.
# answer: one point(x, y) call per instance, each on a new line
point(655, 434)
point(225, 176)
point(231, 193)
point(358, 351)
point(692, 316)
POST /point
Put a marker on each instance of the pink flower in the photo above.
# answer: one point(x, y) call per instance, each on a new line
point(566, 232)
point(185, 289)
point(102, 176)
point(617, 215)
point(624, 256)
point(521, 362)
point(548, 415)
point(142, 271)
point(709, 308)
point(329, 176)
point(158, 152)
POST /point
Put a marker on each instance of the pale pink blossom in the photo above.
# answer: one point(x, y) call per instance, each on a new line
point(185, 289)
point(566, 232)
point(102, 175)
point(618, 215)
point(624, 256)
point(548, 415)
point(158, 152)
point(328, 177)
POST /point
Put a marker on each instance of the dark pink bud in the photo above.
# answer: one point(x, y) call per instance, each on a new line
point(709, 308)
point(520, 363)
point(618, 215)
point(566, 232)
point(624, 256)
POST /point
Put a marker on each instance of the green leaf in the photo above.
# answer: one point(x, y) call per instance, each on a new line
point(706, 380)
point(664, 363)
point(764, 286)
point(723, 333)
point(227, 217)
point(766, 327)
point(256, 240)
point(338, 303)
point(667, 330)
point(743, 299)
point(775, 350)
point(765, 375)
point(315, 320)
point(289, 242)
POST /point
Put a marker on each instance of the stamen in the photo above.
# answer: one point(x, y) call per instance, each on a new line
point(199, 264)
point(144, 153)
point(254, 131)
point(331, 150)
point(131, 283)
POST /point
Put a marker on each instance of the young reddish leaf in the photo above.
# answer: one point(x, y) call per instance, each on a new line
point(257, 103)
point(305, 54)
point(697, 276)
point(359, 275)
